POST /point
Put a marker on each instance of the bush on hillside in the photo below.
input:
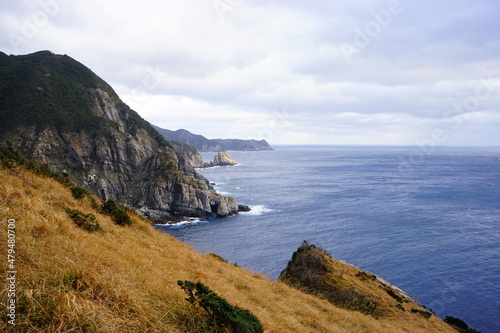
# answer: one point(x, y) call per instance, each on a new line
point(78, 192)
point(223, 314)
point(459, 325)
point(119, 216)
point(85, 221)
point(425, 314)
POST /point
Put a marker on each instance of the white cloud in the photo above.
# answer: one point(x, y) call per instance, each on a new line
point(231, 74)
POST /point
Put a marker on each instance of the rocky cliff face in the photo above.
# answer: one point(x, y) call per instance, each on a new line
point(100, 142)
point(223, 159)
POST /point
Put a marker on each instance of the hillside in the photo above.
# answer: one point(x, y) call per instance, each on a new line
point(57, 111)
point(213, 145)
point(124, 279)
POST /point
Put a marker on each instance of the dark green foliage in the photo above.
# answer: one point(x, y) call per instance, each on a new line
point(109, 206)
point(118, 215)
point(9, 158)
point(218, 257)
point(459, 325)
point(84, 221)
point(78, 192)
point(45, 89)
point(457, 322)
point(400, 307)
point(394, 295)
point(425, 314)
point(121, 217)
point(310, 271)
point(219, 310)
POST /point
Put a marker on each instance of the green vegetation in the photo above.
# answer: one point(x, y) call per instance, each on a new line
point(218, 257)
point(459, 325)
point(9, 158)
point(223, 314)
point(391, 293)
point(119, 216)
point(44, 89)
point(425, 314)
point(47, 89)
point(85, 221)
point(78, 192)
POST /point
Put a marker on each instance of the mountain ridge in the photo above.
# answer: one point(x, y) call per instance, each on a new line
point(213, 145)
point(57, 111)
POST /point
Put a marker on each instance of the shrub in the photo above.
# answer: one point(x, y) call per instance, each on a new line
point(219, 310)
point(394, 295)
point(109, 206)
point(218, 257)
point(459, 325)
point(118, 215)
point(84, 221)
point(78, 192)
point(423, 313)
point(121, 217)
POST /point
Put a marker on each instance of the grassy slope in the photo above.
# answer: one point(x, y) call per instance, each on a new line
point(124, 279)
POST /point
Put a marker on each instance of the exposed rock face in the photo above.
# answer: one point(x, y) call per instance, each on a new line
point(190, 155)
point(213, 145)
point(116, 153)
point(223, 159)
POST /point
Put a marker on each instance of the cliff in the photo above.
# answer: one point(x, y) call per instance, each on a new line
point(58, 112)
point(213, 145)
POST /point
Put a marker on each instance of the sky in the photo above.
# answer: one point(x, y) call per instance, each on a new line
point(392, 72)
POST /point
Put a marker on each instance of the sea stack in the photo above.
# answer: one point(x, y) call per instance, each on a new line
point(223, 159)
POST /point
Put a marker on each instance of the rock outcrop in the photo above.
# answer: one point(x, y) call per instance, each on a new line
point(314, 271)
point(223, 159)
point(58, 112)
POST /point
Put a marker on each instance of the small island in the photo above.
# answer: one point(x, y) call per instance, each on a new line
point(221, 159)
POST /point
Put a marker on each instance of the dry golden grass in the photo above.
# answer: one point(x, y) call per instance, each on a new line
point(124, 279)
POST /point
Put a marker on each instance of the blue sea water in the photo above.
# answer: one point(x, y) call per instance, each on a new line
point(426, 220)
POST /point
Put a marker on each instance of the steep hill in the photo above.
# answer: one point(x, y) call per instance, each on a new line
point(213, 145)
point(57, 111)
point(124, 279)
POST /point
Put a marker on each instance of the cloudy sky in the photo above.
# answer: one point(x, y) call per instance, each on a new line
point(395, 72)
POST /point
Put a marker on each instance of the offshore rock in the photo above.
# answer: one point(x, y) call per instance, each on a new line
point(243, 208)
point(223, 159)
point(75, 123)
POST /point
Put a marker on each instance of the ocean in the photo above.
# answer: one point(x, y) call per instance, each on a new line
point(425, 219)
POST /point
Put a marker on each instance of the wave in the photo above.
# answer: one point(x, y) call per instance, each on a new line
point(183, 224)
point(258, 210)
